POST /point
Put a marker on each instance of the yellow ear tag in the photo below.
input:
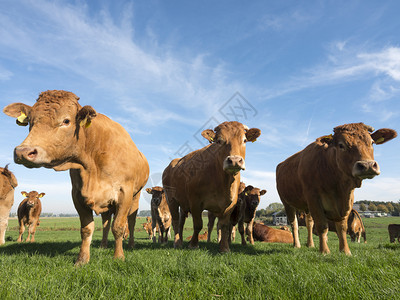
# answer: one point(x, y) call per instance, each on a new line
point(85, 123)
point(211, 139)
point(24, 194)
point(380, 140)
point(22, 118)
point(246, 194)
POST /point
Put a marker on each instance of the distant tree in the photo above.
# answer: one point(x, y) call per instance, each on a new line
point(363, 207)
point(382, 208)
point(275, 206)
point(390, 207)
point(144, 213)
point(372, 207)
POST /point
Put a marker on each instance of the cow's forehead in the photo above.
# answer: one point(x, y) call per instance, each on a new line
point(230, 128)
point(53, 101)
point(157, 189)
point(32, 194)
point(353, 133)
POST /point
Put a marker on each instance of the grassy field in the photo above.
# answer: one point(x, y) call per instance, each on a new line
point(45, 269)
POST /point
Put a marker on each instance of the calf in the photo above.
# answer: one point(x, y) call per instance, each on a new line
point(8, 183)
point(28, 214)
point(264, 233)
point(106, 168)
point(160, 214)
point(321, 179)
point(394, 232)
point(147, 227)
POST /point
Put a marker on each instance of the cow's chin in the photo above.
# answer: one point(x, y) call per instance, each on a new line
point(33, 164)
point(233, 171)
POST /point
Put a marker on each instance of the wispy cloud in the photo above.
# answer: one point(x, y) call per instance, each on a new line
point(104, 51)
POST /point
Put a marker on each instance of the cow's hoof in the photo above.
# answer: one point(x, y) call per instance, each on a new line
point(193, 247)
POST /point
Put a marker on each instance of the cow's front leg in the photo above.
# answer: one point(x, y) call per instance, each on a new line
point(182, 220)
point(241, 231)
point(131, 226)
point(322, 229)
point(224, 226)
point(87, 229)
point(210, 225)
point(341, 229)
point(197, 226)
point(31, 233)
point(21, 231)
point(106, 221)
point(249, 231)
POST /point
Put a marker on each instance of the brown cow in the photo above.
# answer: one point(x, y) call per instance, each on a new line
point(208, 179)
point(107, 170)
point(106, 221)
point(147, 228)
point(394, 232)
point(202, 237)
point(321, 179)
point(8, 183)
point(355, 225)
point(160, 214)
point(264, 233)
point(28, 214)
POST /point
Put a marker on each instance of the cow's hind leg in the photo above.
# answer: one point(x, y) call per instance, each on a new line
point(322, 229)
point(106, 221)
point(174, 210)
point(309, 225)
point(241, 231)
point(31, 233)
point(182, 219)
point(131, 228)
point(210, 225)
point(249, 231)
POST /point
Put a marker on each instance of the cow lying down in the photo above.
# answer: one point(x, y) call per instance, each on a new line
point(264, 233)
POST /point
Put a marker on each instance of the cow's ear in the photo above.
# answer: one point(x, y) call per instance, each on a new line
point(263, 192)
point(242, 186)
point(252, 134)
point(20, 111)
point(149, 190)
point(326, 139)
point(24, 194)
point(85, 116)
point(209, 135)
point(41, 195)
point(383, 135)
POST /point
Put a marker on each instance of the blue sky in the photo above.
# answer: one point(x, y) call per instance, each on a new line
point(166, 70)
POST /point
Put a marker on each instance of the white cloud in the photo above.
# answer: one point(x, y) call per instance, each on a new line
point(379, 189)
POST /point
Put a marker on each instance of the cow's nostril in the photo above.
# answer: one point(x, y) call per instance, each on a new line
point(32, 154)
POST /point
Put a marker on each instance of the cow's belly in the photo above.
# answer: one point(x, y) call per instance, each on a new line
point(101, 199)
point(332, 210)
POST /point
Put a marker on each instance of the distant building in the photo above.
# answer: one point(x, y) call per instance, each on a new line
point(279, 218)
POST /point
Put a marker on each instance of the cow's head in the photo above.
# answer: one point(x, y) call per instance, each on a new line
point(231, 138)
point(157, 193)
point(10, 180)
point(32, 198)
point(353, 144)
point(252, 197)
point(55, 121)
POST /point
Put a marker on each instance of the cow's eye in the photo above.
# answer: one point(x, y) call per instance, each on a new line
point(66, 122)
point(342, 146)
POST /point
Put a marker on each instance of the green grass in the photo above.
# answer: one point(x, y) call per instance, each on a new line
point(45, 270)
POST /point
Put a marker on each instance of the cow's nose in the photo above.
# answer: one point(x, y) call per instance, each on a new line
point(22, 153)
point(234, 163)
point(366, 169)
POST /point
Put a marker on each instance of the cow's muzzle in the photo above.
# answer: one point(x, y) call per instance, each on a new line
point(26, 156)
point(366, 169)
point(234, 164)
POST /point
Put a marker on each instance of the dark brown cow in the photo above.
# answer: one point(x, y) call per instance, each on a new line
point(8, 183)
point(321, 179)
point(264, 233)
point(355, 225)
point(394, 232)
point(208, 179)
point(107, 170)
point(160, 214)
point(28, 214)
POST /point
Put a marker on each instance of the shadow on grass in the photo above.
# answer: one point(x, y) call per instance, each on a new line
point(50, 249)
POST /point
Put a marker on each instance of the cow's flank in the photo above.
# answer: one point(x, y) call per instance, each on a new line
point(8, 183)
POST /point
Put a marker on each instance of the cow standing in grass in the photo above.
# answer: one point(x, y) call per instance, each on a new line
point(8, 183)
point(321, 179)
point(160, 214)
point(28, 214)
point(107, 170)
point(208, 179)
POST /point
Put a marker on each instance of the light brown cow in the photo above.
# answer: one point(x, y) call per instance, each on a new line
point(106, 221)
point(394, 232)
point(107, 170)
point(28, 214)
point(8, 183)
point(355, 225)
point(321, 179)
point(208, 179)
point(264, 233)
point(147, 228)
point(160, 214)
point(202, 237)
